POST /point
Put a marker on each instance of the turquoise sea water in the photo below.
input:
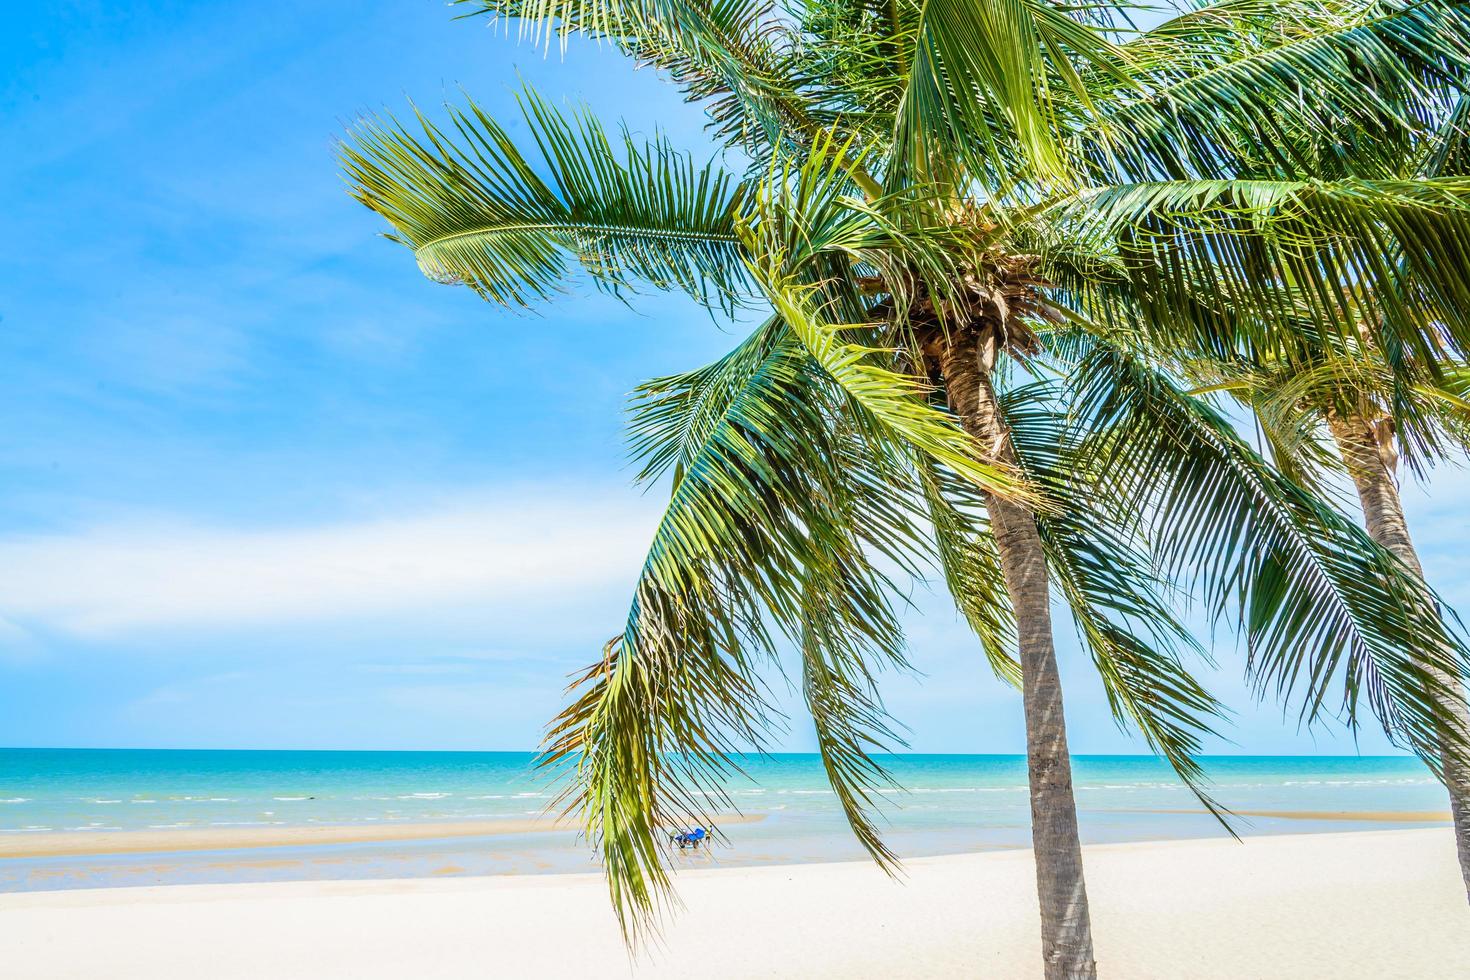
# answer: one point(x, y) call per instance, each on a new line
point(946, 803)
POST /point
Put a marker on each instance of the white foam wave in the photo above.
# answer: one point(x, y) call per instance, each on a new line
point(1359, 782)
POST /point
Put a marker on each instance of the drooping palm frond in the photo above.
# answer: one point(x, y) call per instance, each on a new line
point(1293, 401)
point(982, 89)
point(1319, 604)
point(726, 54)
point(841, 695)
point(1288, 426)
point(1334, 346)
point(1122, 619)
point(475, 210)
point(896, 401)
point(1264, 259)
point(763, 531)
point(969, 564)
point(1219, 92)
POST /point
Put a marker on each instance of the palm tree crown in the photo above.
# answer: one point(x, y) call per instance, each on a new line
point(982, 232)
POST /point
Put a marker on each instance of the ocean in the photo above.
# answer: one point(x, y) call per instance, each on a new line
point(943, 804)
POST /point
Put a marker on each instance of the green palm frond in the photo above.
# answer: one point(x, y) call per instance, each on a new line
point(727, 54)
point(1287, 415)
point(985, 84)
point(970, 564)
point(1218, 93)
point(856, 56)
point(1268, 258)
point(842, 696)
point(763, 531)
point(475, 210)
point(1447, 152)
point(1429, 414)
point(1445, 404)
point(1318, 602)
point(897, 402)
point(671, 419)
point(1134, 639)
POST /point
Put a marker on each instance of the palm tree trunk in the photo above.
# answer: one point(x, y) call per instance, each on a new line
point(1066, 922)
point(1370, 460)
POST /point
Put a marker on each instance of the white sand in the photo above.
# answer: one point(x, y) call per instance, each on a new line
point(1375, 904)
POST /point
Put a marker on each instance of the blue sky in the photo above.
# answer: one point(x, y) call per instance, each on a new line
point(263, 485)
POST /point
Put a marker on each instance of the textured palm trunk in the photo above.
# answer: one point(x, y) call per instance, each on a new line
point(1368, 452)
point(1066, 922)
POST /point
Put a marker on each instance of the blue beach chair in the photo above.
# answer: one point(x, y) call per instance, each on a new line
point(690, 838)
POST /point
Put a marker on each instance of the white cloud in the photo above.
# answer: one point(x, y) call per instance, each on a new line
point(162, 574)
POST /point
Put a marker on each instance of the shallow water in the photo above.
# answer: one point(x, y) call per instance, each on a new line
point(943, 804)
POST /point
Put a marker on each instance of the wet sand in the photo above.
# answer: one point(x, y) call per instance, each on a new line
point(88, 843)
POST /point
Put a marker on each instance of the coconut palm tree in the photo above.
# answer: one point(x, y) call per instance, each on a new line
point(1361, 401)
point(942, 200)
point(1357, 412)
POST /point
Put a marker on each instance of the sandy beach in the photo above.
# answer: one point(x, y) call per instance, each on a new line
point(1378, 904)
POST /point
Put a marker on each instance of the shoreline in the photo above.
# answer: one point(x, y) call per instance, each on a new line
point(1365, 816)
point(1363, 904)
point(99, 843)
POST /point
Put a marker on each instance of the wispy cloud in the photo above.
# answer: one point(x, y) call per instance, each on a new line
point(502, 550)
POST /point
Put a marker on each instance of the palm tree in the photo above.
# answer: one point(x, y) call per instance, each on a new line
point(944, 199)
point(1362, 400)
point(1354, 410)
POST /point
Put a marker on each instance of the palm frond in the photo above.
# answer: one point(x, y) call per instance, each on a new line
point(1318, 603)
point(970, 564)
point(1134, 639)
point(726, 54)
point(842, 697)
point(765, 530)
point(1219, 92)
point(477, 211)
point(1269, 258)
point(981, 92)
